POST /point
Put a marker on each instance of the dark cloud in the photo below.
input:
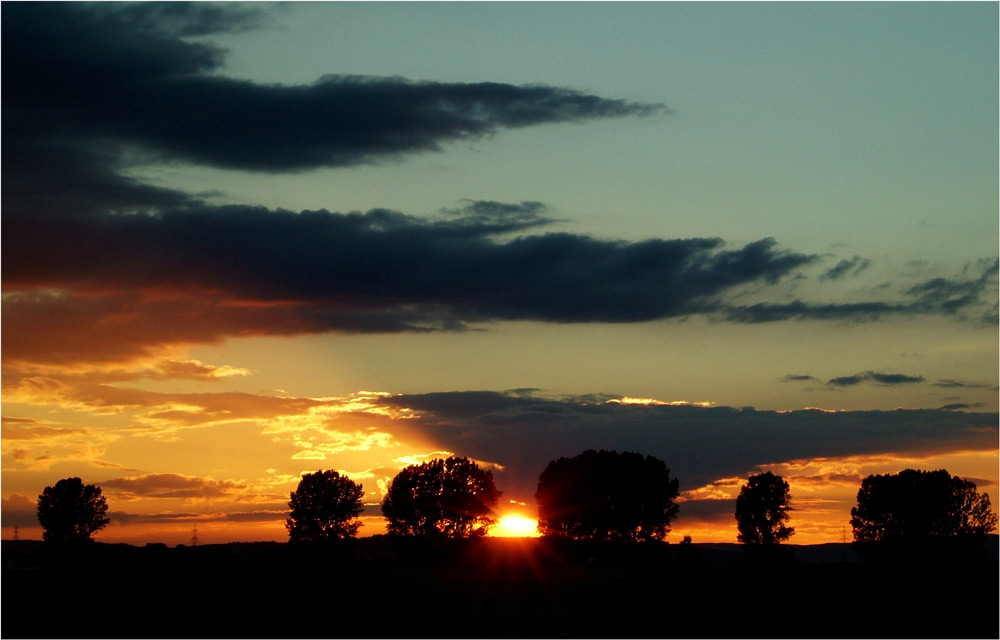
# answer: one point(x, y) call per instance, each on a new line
point(187, 18)
point(479, 217)
point(791, 377)
point(63, 181)
point(854, 311)
point(853, 267)
point(374, 510)
point(826, 479)
point(799, 310)
point(125, 77)
point(261, 515)
point(700, 445)
point(708, 511)
point(170, 517)
point(124, 517)
point(878, 378)
point(168, 485)
point(201, 273)
point(384, 259)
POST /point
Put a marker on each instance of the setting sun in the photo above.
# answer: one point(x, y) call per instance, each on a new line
point(516, 526)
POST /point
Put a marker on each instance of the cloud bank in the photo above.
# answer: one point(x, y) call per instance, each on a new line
point(523, 432)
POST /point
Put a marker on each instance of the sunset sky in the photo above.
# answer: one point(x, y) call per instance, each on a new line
point(245, 242)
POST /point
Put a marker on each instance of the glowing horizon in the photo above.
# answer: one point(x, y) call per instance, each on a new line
point(823, 491)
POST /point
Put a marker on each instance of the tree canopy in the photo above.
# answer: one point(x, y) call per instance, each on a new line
point(762, 510)
point(606, 495)
point(71, 511)
point(325, 506)
point(450, 498)
point(917, 505)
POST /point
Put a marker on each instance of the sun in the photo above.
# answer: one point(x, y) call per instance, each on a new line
point(516, 526)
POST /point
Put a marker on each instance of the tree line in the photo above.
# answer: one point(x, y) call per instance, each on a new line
point(602, 495)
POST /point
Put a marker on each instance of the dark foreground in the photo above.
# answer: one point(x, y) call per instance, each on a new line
point(492, 588)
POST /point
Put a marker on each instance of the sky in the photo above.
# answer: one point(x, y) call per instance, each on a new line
point(243, 242)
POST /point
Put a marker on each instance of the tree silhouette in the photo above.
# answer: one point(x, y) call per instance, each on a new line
point(325, 506)
point(606, 495)
point(762, 510)
point(71, 511)
point(919, 505)
point(450, 498)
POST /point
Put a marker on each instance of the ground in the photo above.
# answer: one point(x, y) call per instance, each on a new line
point(505, 588)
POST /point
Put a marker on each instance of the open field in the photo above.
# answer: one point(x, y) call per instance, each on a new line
point(493, 588)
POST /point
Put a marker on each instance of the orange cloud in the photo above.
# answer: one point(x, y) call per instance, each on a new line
point(36, 447)
point(66, 328)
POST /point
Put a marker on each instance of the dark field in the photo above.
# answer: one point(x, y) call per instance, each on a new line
point(494, 588)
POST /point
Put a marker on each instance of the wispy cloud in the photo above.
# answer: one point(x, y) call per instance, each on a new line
point(853, 267)
point(959, 384)
point(956, 294)
point(29, 445)
point(970, 295)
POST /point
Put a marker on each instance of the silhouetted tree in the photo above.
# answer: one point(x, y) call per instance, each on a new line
point(325, 506)
point(71, 511)
point(606, 495)
point(914, 506)
point(450, 498)
point(762, 510)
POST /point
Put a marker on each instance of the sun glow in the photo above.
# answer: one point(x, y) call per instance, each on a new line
point(516, 526)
